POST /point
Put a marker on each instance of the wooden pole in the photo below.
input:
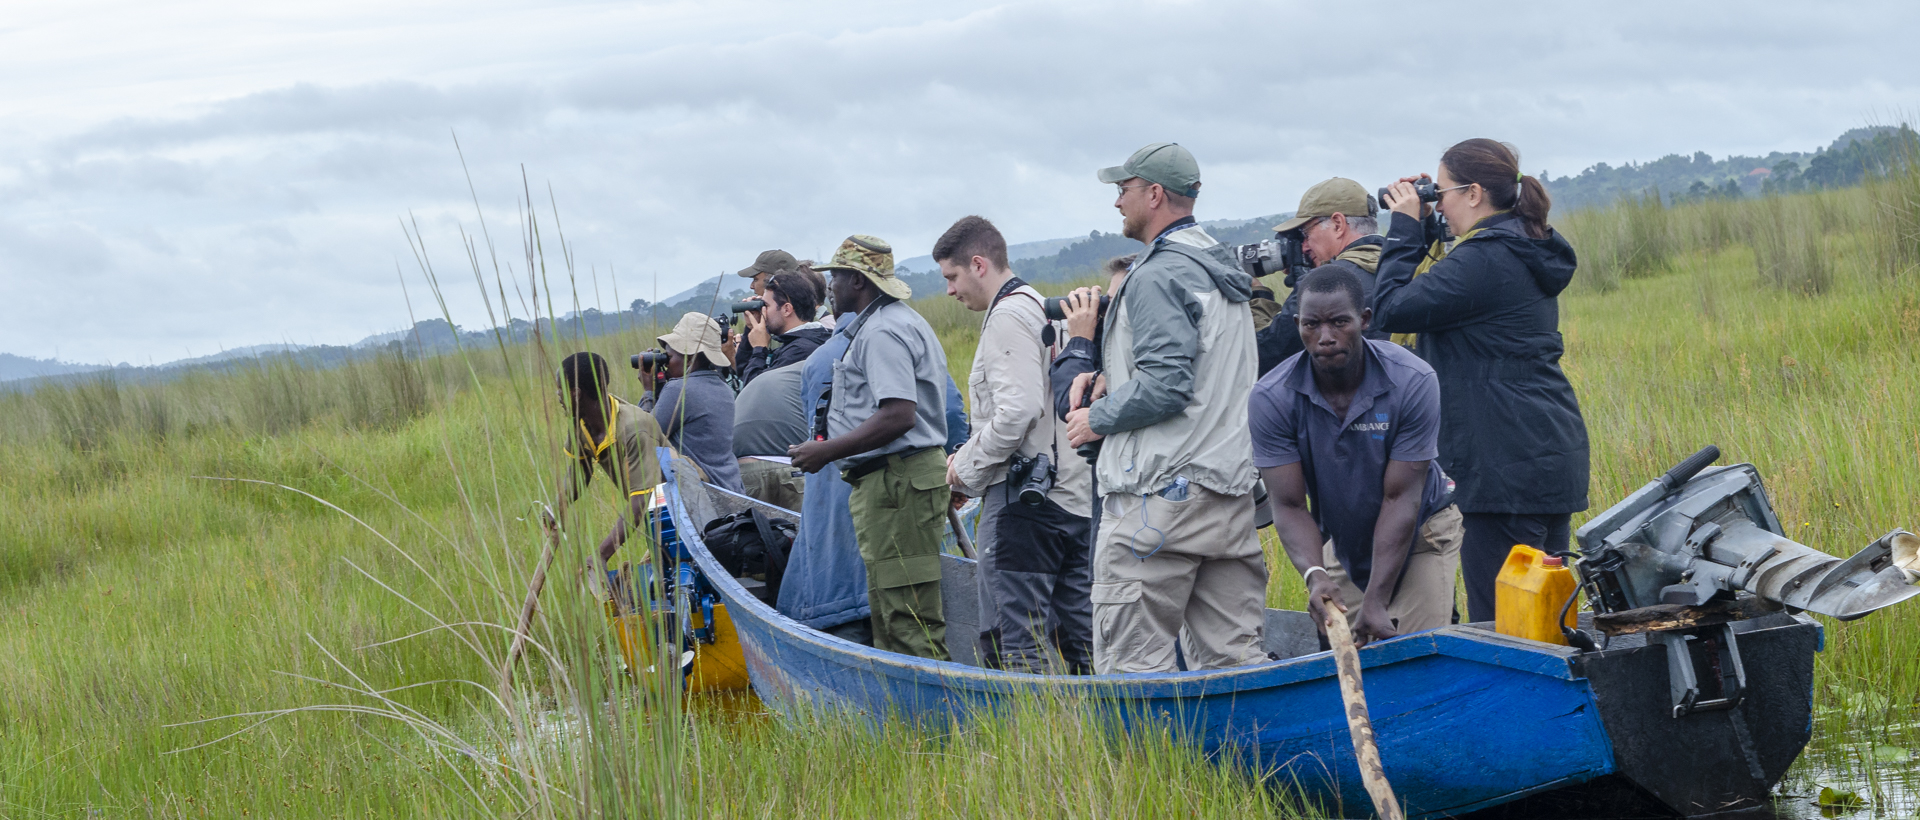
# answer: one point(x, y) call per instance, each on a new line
point(534, 586)
point(1365, 751)
point(960, 533)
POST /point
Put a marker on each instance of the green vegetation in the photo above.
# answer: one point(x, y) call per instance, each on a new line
point(142, 605)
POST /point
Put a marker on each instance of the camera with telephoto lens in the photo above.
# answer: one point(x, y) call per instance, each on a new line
point(1034, 478)
point(1424, 189)
point(1056, 307)
point(1281, 254)
point(650, 360)
point(749, 305)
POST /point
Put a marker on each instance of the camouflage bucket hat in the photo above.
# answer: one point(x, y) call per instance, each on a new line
point(873, 257)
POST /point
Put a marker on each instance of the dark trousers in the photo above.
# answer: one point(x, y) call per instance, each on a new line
point(1037, 583)
point(1488, 539)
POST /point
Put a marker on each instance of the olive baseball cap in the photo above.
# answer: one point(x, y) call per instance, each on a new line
point(1335, 196)
point(873, 257)
point(1165, 163)
point(769, 262)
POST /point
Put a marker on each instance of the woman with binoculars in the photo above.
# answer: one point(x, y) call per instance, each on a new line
point(1484, 313)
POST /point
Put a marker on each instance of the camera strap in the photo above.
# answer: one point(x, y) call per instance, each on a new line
point(1014, 284)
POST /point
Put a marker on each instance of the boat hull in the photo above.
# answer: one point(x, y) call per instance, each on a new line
point(1467, 719)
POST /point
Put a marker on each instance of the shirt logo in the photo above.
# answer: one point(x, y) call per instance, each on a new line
point(1378, 427)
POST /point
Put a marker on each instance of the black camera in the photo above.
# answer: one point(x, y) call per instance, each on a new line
point(725, 321)
point(1034, 478)
point(650, 360)
point(1056, 306)
point(1424, 189)
point(750, 304)
point(1281, 254)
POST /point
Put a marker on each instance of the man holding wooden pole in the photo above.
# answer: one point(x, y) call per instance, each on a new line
point(619, 438)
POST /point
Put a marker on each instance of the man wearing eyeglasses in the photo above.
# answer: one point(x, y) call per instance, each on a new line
point(1177, 556)
point(1337, 224)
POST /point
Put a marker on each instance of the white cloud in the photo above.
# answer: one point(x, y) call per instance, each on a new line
point(206, 178)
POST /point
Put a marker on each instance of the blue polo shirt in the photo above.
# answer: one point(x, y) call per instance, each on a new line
point(1394, 415)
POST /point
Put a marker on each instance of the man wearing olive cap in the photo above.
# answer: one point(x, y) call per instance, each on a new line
point(887, 428)
point(765, 266)
point(1335, 225)
point(1176, 555)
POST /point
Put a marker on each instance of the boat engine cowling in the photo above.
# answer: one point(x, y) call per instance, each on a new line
point(1700, 534)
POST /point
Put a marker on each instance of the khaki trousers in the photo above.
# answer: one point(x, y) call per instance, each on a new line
point(899, 514)
point(1424, 599)
point(1190, 570)
point(772, 482)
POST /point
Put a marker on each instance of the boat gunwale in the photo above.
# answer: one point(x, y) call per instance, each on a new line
point(1458, 641)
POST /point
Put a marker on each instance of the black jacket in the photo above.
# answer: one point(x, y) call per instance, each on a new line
point(1280, 339)
point(1488, 320)
point(794, 347)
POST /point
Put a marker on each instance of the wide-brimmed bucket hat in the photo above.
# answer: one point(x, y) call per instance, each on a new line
point(697, 333)
point(872, 257)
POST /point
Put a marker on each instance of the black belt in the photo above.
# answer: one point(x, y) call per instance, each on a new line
point(877, 462)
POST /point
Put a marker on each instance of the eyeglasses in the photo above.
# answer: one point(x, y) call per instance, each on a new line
point(1437, 192)
point(1122, 187)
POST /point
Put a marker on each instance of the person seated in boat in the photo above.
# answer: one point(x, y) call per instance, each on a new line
point(1033, 533)
point(768, 419)
point(1178, 558)
point(886, 424)
point(1353, 423)
point(619, 438)
point(695, 405)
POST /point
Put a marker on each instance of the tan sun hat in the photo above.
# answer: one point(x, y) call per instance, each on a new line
point(873, 257)
point(697, 333)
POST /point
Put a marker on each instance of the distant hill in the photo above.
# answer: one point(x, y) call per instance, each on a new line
point(20, 367)
point(1851, 157)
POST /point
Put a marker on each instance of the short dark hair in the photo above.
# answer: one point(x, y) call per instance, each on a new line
point(1120, 264)
point(1335, 279)
point(970, 237)
point(586, 373)
point(794, 288)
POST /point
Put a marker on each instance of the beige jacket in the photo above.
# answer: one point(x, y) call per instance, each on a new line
point(1011, 403)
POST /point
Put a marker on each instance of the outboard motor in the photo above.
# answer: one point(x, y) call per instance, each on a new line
point(1699, 536)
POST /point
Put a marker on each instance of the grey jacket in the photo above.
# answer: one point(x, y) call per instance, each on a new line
point(1180, 366)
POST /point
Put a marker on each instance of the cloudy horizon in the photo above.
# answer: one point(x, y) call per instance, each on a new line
point(205, 176)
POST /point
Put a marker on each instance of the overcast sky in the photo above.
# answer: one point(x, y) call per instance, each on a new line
point(184, 177)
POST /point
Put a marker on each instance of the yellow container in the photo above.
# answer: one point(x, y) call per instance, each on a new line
point(1530, 593)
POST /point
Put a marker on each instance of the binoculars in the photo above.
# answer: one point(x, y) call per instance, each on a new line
point(1056, 307)
point(649, 360)
point(749, 305)
point(1424, 189)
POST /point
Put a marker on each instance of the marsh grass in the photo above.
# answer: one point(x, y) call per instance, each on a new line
point(180, 647)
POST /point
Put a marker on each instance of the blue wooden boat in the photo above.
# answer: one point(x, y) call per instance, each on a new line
point(1468, 720)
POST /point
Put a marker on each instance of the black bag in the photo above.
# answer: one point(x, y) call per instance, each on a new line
point(751, 545)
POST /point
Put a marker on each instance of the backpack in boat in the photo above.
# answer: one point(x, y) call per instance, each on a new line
point(752, 546)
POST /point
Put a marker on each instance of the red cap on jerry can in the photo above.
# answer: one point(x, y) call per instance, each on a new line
point(1551, 561)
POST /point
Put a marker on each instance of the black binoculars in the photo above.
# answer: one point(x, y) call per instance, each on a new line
point(650, 360)
point(1056, 307)
point(1424, 189)
point(750, 304)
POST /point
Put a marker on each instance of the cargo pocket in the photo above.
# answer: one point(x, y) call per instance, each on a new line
point(1121, 635)
point(1123, 592)
point(894, 573)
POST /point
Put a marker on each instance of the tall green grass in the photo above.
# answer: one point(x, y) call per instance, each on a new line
point(144, 607)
